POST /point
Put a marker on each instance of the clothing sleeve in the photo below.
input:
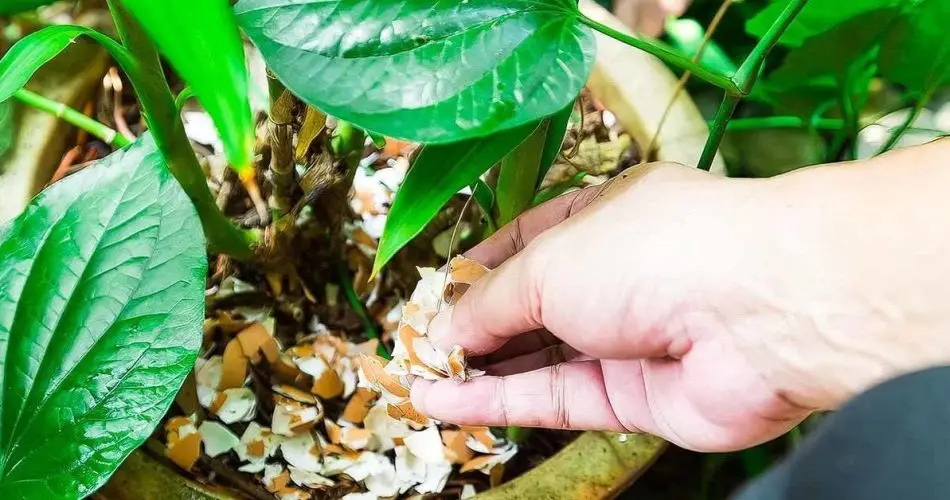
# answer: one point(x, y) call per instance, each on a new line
point(891, 442)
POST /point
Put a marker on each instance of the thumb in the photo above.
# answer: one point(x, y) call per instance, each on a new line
point(503, 304)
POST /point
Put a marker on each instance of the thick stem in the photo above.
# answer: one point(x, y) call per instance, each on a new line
point(665, 54)
point(169, 132)
point(280, 135)
point(73, 117)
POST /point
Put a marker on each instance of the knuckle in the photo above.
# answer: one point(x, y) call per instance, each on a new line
point(502, 402)
point(562, 415)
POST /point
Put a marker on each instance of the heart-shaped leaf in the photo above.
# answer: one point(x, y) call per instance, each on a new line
point(436, 175)
point(432, 71)
point(101, 305)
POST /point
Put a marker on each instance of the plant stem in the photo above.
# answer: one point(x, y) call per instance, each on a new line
point(360, 309)
point(718, 130)
point(898, 132)
point(749, 70)
point(169, 132)
point(665, 54)
point(73, 117)
point(280, 136)
point(738, 124)
point(744, 80)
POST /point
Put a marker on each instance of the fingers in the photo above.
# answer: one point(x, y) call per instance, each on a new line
point(513, 237)
point(549, 356)
point(564, 396)
point(503, 304)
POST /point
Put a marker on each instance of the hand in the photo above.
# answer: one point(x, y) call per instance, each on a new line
point(716, 313)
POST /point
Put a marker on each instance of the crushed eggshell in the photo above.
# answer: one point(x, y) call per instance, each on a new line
point(427, 445)
point(359, 405)
point(292, 417)
point(276, 478)
point(302, 452)
point(217, 439)
point(183, 442)
point(235, 405)
point(233, 367)
point(468, 491)
point(309, 479)
point(455, 449)
point(256, 340)
point(414, 354)
point(257, 445)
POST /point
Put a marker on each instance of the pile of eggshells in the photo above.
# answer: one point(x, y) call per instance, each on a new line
point(379, 440)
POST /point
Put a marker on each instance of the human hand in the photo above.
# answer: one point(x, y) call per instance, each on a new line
point(716, 313)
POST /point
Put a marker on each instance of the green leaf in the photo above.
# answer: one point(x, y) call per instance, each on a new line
point(551, 192)
point(7, 128)
point(815, 18)
point(36, 49)
point(437, 174)
point(559, 122)
point(687, 36)
point(430, 71)
point(100, 321)
point(518, 176)
point(841, 48)
point(201, 40)
point(8, 7)
point(916, 53)
point(33, 51)
point(485, 198)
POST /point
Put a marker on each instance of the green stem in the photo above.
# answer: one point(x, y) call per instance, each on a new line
point(360, 309)
point(744, 80)
point(749, 70)
point(665, 54)
point(73, 117)
point(739, 124)
point(898, 132)
point(718, 130)
point(169, 132)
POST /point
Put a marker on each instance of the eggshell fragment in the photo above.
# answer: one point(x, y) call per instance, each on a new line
point(217, 439)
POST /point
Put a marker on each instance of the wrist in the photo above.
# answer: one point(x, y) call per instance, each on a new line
point(855, 275)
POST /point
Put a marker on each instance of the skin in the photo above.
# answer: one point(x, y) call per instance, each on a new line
point(715, 313)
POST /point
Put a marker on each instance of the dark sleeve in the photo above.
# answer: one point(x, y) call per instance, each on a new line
point(892, 442)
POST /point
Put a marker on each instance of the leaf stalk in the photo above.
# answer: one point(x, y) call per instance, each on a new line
point(72, 116)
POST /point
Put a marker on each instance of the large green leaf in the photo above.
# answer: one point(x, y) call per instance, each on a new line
point(8, 7)
point(916, 53)
point(835, 52)
point(815, 18)
point(202, 41)
point(432, 71)
point(436, 175)
point(101, 303)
